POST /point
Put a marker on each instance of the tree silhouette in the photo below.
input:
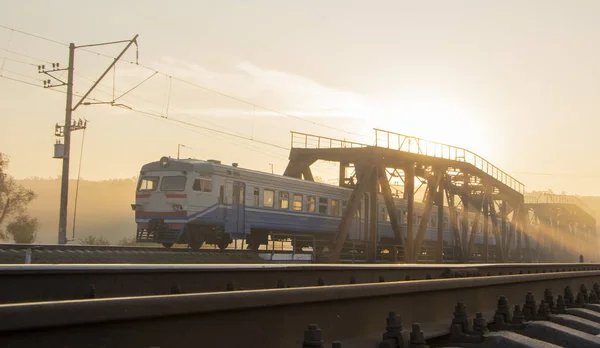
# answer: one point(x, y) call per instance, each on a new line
point(14, 198)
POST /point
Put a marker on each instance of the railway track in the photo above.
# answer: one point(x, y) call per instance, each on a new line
point(31, 283)
point(70, 254)
point(121, 248)
point(553, 308)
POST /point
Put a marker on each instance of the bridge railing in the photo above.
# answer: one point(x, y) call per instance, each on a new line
point(309, 141)
point(424, 147)
point(551, 198)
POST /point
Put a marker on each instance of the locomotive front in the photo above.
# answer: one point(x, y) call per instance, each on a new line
point(161, 202)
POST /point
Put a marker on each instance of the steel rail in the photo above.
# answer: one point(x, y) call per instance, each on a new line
point(114, 248)
point(354, 314)
point(27, 283)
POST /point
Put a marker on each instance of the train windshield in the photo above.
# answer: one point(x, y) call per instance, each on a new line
point(148, 183)
point(173, 183)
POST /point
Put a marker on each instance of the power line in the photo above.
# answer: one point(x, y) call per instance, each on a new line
point(33, 35)
point(192, 84)
point(24, 55)
point(101, 84)
point(210, 129)
point(165, 118)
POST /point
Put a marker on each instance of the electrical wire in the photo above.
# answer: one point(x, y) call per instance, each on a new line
point(24, 55)
point(170, 119)
point(78, 179)
point(193, 84)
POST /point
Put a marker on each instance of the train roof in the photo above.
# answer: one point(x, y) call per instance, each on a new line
point(209, 166)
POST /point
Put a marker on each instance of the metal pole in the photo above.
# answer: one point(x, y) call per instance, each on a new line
point(64, 190)
point(28, 256)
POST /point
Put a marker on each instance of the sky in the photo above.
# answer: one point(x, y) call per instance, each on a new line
point(516, 82)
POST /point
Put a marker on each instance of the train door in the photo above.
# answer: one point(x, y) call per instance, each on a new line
point(239, 206)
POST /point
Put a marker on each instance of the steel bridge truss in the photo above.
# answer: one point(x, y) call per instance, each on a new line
point(453, 177)
point(563, 226)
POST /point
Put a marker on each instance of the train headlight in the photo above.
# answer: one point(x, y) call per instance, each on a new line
point(177, 207)
point(135, 206)
point(164, 162)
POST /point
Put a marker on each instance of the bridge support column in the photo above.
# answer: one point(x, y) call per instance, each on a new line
point(440, 221)
point(409, 193)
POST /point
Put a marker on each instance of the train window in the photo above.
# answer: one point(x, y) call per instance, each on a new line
point(434, 221)
point(148, 183)
point(297, 204)
point(242, 199)
point(284, 200)
point(310, 204)
point(268, 197)
point(202, 185)
point(405, 217)
point(445, 222)
point(322, 205)
point(335, 207)
point(255, 197)
point(173, 183)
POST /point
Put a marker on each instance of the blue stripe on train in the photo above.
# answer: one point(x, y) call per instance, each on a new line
point(285, 220)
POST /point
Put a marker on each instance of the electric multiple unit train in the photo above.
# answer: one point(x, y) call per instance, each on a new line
point(197, 202)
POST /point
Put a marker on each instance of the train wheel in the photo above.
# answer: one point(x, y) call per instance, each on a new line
point(195, 245)
point(223, 244)
point(195, 242)
point(167, 245)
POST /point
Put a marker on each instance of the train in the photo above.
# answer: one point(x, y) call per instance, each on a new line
point(204, 202)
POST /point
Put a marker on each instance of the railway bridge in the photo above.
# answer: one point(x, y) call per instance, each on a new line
point(455, 178)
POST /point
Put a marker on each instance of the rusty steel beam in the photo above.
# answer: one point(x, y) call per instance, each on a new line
point(473, 232)
point(307, 174)
point(440, 219)
point(486, 222)
point(351, 208)
point(432, 183)
point(409, 191)
point(496, 233)
point(453, 221)
point(373, 215)
point(349, 313)
point(465, 198)
point(386, 191)
point(503, 234)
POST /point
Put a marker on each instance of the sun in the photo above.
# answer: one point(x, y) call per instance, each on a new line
point(439, 120)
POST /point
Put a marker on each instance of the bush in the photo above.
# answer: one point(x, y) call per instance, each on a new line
point(23, 229)
point(93, 240)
